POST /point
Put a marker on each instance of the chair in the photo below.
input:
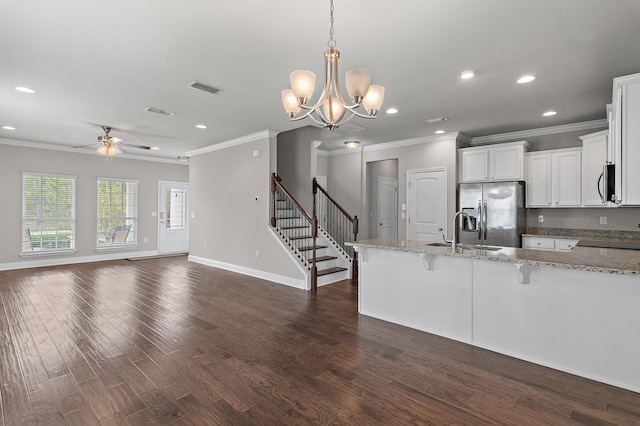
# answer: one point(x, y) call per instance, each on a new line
point(26, 241)
point(121, 233)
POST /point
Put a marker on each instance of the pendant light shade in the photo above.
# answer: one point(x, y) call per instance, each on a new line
point(372, 102)
point(357, 82)
point(303, 83)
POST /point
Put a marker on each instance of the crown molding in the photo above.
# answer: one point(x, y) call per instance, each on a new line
point(502, 137)
point(265, 134)
point(41, 145)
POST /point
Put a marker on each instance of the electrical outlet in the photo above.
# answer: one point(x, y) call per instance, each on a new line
point(257, 253)
point(603, 220)
point(145, 239)
point(540, 218)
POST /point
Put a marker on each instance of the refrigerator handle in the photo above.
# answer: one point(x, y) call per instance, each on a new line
point(479, 220)
point(598, 186)
point(484, 222)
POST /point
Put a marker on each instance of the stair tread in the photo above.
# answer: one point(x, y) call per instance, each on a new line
point(331, 271)
point(310, 248)
point(323, 258)
point(294, 227)
point(289, 217)
point(301, 237)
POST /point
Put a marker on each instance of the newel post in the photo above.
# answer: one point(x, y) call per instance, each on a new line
point(274, 200)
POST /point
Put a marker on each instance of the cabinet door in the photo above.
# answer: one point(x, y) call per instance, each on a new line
point(505, 163)
point(567, 176)
point(594, 156)
point(538, 180)
point(475, 165)
point(631, 143)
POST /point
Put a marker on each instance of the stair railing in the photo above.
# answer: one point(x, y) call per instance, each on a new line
point(287, 213)
point(336, 222)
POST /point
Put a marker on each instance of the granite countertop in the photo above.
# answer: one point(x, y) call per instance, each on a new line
point(605, 260)
point(590, 237)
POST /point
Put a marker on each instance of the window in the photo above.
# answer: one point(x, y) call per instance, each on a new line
point(117, 212)
point(48, 213)
point(176, 209)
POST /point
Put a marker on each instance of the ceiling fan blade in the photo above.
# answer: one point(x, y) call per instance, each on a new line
point(133, 146)
point(89, 144)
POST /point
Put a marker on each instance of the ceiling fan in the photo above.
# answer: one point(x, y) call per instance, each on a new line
point(110, 145)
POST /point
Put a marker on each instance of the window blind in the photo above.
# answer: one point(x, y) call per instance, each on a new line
point(48, 212)
point(117, 212)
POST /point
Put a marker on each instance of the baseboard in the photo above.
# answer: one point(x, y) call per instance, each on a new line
point(56, 261)
point(280, 279)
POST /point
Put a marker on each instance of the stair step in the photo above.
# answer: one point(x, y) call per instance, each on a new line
point(294, 227)
point(301, 237)
point(288, 218)
point(331, 271)
point(311, 248)
point(323, 258)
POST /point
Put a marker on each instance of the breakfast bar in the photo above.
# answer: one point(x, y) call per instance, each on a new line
point(575, 311)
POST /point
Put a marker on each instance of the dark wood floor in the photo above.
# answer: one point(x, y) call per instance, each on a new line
point(165, 341)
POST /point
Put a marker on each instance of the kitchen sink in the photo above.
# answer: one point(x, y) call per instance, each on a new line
point(466, 246)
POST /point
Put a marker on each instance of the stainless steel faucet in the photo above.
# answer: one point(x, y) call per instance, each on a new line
point(454, 240)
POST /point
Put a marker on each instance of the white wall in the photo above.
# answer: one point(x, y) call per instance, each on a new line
point(229, 227)
point(14, 160)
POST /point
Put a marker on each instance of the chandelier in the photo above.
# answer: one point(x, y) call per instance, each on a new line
point(331, 108)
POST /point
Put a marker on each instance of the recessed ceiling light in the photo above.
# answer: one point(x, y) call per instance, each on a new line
point(439, 132)
point(8, 128)
point(24, 89)
point(155, 148)
point(467, 74)
point(392, 111)
point(526, 79)
point(549, 113)
point(201, 126)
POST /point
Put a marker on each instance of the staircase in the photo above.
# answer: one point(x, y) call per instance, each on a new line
point(320, 254)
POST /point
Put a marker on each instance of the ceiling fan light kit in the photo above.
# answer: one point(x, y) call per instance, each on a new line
point(331, 108)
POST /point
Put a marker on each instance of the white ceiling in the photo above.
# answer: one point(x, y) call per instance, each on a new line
point(97, 63)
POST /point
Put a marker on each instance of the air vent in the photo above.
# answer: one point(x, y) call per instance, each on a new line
point(159, 111)
point(436, 120)
point(204, 87)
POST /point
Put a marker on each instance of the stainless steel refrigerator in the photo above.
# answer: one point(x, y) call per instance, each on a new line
point(497, 212)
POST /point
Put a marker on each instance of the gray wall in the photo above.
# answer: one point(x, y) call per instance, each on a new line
point(223, 186)
point(347, 176)
point(87, 168)
point(297, 162)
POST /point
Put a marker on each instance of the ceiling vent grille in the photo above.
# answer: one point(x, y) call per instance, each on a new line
point(204, 87)
point(159, 111)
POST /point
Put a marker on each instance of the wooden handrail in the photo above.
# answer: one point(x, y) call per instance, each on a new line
point(275, 183)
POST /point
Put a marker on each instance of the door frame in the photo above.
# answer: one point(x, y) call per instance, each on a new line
point(408, 192)
point(158, 224)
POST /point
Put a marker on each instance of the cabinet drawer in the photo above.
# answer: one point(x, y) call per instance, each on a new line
point(565, 245)
point(538, 243)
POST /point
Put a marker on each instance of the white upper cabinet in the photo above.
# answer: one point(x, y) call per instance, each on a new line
point(594, 157)
point(554, 178)
point(626, 138)
point(502, 162)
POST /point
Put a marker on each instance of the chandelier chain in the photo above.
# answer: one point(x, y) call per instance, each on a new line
point(331, 43)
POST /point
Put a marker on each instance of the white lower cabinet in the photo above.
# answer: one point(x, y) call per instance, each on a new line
point(557, 244)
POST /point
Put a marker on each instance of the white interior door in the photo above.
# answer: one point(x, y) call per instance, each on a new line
point(387, 208)
point(427, 204)
point(173, 234)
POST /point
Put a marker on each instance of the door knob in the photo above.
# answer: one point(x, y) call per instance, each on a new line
point(440, 229)
point(380, 223)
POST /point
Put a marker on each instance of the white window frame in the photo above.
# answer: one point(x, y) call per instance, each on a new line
point(111, 236)
point(28, 232)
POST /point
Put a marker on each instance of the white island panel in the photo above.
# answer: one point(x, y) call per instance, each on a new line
point(581, 322)
point(428, 293)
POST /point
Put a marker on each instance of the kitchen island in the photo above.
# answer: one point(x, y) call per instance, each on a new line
point(576, 311)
